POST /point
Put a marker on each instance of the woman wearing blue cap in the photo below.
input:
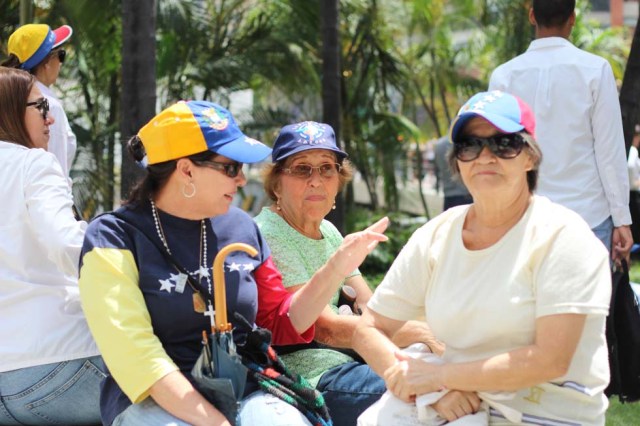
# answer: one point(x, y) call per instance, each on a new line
point(307, 173)
point(515, 286)
point(146, 321)
point(50, 368)
point(38, 49)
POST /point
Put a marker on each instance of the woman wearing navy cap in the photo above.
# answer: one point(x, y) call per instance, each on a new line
point(146, 322)
point(38, 49)
point(516, 287)
point(307, 173)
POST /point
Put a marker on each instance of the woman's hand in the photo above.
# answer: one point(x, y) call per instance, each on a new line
point(456, 404)
point(410, 377)
point(357, 246)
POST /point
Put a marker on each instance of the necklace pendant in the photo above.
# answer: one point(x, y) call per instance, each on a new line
point(198, 303)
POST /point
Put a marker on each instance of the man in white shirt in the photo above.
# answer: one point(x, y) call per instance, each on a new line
point(579, 125)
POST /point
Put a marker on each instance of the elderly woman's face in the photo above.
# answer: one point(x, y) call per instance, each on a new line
point(308, 198)
point(489, 174)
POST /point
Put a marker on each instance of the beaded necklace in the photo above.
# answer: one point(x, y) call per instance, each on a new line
point(202, 271)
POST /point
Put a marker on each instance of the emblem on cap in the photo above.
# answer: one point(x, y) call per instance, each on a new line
point(211, 116)
point(310, 133)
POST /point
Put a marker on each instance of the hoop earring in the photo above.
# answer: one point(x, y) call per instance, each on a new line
point(184, 190)
point(278, 205)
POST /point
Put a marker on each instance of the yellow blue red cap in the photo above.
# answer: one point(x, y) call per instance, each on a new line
point(191, 127)
point(31, 43)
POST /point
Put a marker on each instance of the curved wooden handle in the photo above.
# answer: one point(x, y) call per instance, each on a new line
point(219, 290)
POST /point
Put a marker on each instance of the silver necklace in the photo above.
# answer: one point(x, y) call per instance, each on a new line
point(203, 271)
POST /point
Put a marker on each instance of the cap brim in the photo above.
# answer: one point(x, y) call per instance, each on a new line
point(341, 154)
point(245, 150)
point(62, 35)
point(503, 124)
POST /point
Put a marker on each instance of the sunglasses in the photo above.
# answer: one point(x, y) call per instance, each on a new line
point(304, 171)
point(62, 54)
point(230, 169)
point(41, 105)
point(505, 146)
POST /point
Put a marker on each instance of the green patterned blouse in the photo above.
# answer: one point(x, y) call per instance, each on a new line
point(298, 258)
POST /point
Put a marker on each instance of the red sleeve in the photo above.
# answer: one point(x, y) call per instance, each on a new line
point(273, 307)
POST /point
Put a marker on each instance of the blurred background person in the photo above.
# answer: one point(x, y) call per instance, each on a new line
point(38, 49)
point(455, 193)
point(633, 164)
point(49, 369)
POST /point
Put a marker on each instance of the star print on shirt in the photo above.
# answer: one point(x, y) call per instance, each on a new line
point(173, 281)
point(247, 267)
point(203, 272)
point(166, 285)
point(234, 267)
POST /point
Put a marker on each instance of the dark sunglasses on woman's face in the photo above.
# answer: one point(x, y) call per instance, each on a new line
point(230, 169)
point(305, 171)
point(505, 146)
point(62, 54)
point(41, 105)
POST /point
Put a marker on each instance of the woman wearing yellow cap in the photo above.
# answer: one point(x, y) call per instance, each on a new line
point(147, 321)
point(50, 371)
point(38, 49)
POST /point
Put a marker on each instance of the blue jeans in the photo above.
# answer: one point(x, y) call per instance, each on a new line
point(604, 232)
point(259, 408)
point(65, 393)
point(348, 390)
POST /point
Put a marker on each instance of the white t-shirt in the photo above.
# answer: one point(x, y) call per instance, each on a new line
point(485, 302)
point(40, 241)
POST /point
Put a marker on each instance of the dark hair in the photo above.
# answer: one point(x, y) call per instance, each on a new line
point(272, 172)
point(157, 174)
point(15, 86)
point(532, 148)
point(13, 62)
point(552, 13)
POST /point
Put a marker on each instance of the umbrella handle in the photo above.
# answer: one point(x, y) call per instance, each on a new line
point(220, 295)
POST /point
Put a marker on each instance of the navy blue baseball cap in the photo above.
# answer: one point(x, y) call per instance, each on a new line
point(298, 137)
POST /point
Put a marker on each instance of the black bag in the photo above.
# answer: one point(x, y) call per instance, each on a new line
point(623, 339)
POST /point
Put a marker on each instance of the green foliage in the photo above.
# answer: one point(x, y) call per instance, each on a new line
point(401, 227)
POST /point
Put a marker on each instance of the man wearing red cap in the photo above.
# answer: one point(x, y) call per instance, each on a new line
point(36, 48)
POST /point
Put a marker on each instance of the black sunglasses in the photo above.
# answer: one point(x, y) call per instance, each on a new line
point(305, 171)
point(61, 53)
point(41, 105)
point(505, 146)
point(230, 169)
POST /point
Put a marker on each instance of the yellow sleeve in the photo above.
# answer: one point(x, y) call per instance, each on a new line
point(120, 322)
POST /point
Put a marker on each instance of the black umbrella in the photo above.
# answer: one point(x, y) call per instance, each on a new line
point(219, 373)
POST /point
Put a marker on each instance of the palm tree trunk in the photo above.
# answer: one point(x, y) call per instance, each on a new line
point(138, 102)
point(331, 108)
point(26, 12)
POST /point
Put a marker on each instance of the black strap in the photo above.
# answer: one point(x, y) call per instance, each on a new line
point(196, 286)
